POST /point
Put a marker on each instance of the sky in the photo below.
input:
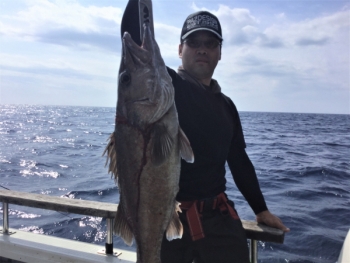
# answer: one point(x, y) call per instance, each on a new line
point(277, 55)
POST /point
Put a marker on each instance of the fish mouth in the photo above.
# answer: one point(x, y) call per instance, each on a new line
point(133, 52)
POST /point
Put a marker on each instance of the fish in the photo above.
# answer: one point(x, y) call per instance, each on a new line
point(144, 152)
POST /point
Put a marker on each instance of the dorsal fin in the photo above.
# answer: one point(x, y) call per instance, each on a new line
point(111, 156)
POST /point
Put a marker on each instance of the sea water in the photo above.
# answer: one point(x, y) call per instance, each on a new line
point(301, 160)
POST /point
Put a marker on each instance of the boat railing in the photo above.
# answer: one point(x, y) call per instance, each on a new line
point(255, 232)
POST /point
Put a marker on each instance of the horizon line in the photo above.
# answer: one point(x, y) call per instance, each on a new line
point(255, 111)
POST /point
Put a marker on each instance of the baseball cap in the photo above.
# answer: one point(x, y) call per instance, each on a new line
point(202, 20)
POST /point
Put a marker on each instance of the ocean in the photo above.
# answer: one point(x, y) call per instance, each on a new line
point(302, 162)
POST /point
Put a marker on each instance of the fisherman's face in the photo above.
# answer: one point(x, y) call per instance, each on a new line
point(200, 53)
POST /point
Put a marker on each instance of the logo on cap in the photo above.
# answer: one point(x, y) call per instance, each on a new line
point(202, 20)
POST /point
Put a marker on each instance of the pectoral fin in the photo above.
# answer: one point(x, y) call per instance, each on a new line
point(162, 144)
point(121, 227)
point(111, 156)
point(175, 228)
point(185, 147)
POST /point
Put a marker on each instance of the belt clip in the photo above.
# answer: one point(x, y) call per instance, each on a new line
point(194, 222)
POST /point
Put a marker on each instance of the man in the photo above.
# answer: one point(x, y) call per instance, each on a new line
point(213, 231)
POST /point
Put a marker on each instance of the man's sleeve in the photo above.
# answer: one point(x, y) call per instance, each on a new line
point(243, 171)
point(244, 175)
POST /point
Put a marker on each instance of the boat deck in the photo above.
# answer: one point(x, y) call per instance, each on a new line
point(35, 248)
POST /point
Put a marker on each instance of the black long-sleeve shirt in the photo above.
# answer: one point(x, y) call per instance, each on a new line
point(211, 122)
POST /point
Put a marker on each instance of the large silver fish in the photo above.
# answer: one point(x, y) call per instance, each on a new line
point(145, 150)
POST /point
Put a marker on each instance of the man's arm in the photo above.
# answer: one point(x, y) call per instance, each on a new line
point(244, 175)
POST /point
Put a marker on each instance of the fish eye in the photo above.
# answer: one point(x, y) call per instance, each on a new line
point(125, 78)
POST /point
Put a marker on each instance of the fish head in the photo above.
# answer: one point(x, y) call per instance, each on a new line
point(145, 90)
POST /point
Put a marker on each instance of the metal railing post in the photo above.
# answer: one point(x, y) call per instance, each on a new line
point(253, 251)
point(109, 238)
point(5, 226)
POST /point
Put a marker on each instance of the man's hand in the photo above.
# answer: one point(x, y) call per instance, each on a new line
point(271, 220)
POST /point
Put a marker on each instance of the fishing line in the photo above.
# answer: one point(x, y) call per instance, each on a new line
point(4, 187)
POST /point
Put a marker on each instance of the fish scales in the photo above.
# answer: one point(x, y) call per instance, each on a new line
point(145, 149)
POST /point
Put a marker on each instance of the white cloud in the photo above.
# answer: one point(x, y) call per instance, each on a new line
point(238, 24)
point(281, 16)
point(65, 23)
point(240, 27)
point(318, 31)
point(62, 13)
point(299, 61)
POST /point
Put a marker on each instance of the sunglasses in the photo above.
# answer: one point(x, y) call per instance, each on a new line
point(195, 43)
